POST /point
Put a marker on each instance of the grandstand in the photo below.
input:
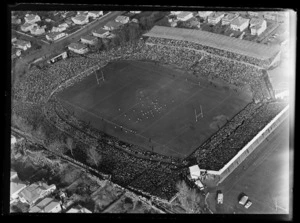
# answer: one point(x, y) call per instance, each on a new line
point(237, 46)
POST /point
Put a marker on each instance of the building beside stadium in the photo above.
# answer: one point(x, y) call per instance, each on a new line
point(250, 52)
point(55, 36)
point(204, 14)
point(257, 26)
point(31, 18)
point(112, 25)
point(78, 48)
point(101, 33)
point(184, 16)
point(228, 18)
point(58, 57)
point(90, 39)
point(239, 24)
point(215, 17)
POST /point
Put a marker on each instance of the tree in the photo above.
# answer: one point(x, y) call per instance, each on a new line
point(189, 198)
point(93, 156)
point(57, 146)
point(70, 144)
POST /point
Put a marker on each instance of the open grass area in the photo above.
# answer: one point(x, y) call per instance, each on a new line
point(153, 106)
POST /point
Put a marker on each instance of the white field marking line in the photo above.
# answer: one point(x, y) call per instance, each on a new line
point(151, 95)
point(172, 109)
point(108, 121)
point(221, 102)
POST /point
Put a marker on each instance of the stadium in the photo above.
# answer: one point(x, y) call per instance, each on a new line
point(176, 98)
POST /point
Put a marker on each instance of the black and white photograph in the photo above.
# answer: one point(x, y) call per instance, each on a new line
point(165, 110)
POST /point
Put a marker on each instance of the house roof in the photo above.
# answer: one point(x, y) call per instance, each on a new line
point(35, 209)
point(239, 21)
point(100, 31)
point(31, 193)
point(77, 46)
point(184, 14)
point(113, 24)
point(216, 15)
point(30, 16)
point(20, 42)
point(230, 16)
point(44, 202)
point(25, 25)
point(256, 21)
point(235, 45)
point(51, 205)
point(53, 34)
point(89, 37)
point(121, 18)
point(205, 13)
point(95, 12)
point(16, 185)
point(80, 17)
point(195, 170)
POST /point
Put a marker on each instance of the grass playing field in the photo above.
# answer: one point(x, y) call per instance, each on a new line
point(153, 106)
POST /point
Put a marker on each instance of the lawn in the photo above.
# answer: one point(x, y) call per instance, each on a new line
point(153, 106)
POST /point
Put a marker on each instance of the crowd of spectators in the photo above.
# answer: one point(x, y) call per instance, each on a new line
point(219, 52)
point(230, 139)
point(151, 176)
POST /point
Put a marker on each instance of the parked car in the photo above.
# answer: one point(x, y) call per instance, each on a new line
point(248, 204)
point(220, 197)
point(243, 200)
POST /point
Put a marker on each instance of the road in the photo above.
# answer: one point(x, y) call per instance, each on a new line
point(264, 176)
point(22, 63)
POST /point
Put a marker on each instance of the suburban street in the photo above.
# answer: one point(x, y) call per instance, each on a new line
point(264, 176)
point(47, 49)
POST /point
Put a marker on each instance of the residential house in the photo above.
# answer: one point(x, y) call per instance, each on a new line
point(184, 16)
point(215, 17)
point(195, 172)
point(31, 18)
point(37, 30)
point(239, 24)
point(13, 139)
point(15, 21)
point(204, 14)
point(95, 14)
point(135, 20)
point(173, 23)
point(35, 191)
point(13, 175)
point(61, 27)
point(254, 14)
point(135, 12)
point(112, 25)
point(16, 186)
point(82, 13)
point(257, 26)
point(35, 209)
point(90, 39)
point(270, 15)
point(22, 44)
point(27, 26)
point(78, 209)
point(55, 36)
point(43, 203)
point(194, 23)
point(122, 19)
point(101, 33)
point(175, 12)
point(80, 19)
point(78, 48)
point(228, 18)
point(53, 207)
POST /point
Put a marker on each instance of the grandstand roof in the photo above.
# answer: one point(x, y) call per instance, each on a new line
point(235, 45)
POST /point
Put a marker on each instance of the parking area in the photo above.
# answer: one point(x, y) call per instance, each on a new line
point(265, 176)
